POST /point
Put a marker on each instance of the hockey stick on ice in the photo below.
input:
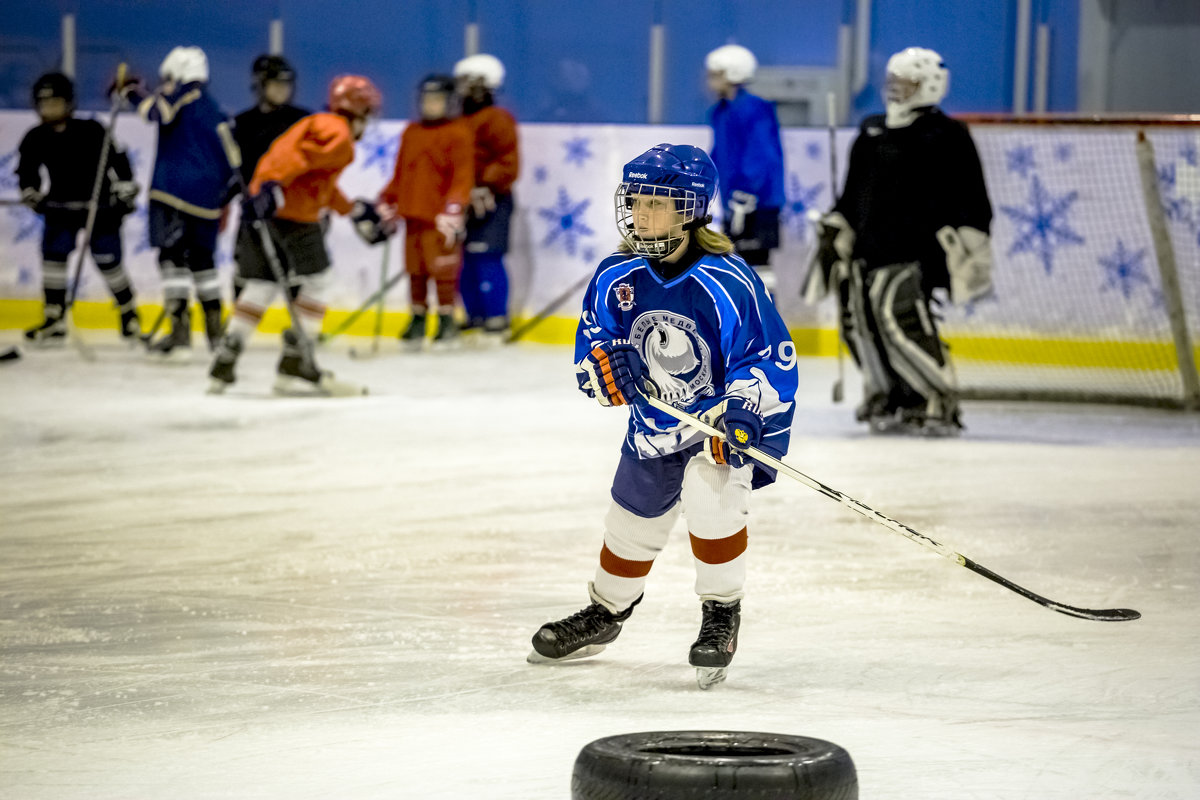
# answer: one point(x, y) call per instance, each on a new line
point(550, 308)
point(1100, 615)
point(377, 297)
point(831, 110)
point(92, 208)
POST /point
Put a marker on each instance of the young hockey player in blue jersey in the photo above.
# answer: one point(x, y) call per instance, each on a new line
point(193, 180)
point(674, 312)
point(748, 153)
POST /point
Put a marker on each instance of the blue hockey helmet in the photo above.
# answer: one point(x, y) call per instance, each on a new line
point(680, 172)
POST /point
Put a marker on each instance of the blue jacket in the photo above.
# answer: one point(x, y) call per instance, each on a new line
point(746, 149)
point(193, 169)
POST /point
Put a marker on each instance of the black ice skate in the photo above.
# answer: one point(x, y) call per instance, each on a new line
point(713, 649)
point(297, 372)
point(447, 332)
point(221, 374)
point(177, 345)
point(413, 337)
point(584, 633)
point(51, 332)
point(131, 327)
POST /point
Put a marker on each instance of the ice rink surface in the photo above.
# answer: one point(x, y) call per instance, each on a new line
point(254, 597)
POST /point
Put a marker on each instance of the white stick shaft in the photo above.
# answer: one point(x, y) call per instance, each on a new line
point(849, 502)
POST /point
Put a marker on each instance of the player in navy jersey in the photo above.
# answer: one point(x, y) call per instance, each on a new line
point(69, 151)
point(676, 313)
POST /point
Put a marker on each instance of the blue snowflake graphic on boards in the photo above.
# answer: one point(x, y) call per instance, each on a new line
point(1042, 224)
point(1189, 154)
point(8, 178)
point(566, 222)
point(813, 150)
point(1020, 160)
point(378, 150)
point(578, 151)
point(540, 174)
point(1125, 270)
point(800, 199)
point(1064, 152)
point(29, 224)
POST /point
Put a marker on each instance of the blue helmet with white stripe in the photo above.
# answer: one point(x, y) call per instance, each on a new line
point(664, 193)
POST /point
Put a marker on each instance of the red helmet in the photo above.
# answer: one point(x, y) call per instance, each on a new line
point(354, 96)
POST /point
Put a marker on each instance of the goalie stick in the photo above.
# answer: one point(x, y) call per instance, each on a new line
point(831, 109)
point(1099, 615)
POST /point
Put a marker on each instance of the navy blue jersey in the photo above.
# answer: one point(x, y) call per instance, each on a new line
point(193, 170)
point(747, 150)
point(707, 334)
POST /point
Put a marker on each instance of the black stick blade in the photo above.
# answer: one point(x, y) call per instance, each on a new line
point(1097, 614)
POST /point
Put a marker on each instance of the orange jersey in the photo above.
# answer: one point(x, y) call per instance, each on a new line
point(435, 170)
point(306, 161)
point(496, 160)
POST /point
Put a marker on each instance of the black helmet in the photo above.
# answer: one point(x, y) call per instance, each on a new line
point(272, 68)
point(53, 84)
point(434, 84)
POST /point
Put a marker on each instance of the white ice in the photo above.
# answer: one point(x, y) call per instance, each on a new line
point(253, 597)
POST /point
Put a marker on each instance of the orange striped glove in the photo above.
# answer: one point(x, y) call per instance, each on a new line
point(612, 372)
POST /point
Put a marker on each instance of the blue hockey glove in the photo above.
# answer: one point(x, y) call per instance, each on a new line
point(268, 200)
point(743, 428)
point(613, 370)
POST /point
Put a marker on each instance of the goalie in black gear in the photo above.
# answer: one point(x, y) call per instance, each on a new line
point(912, 219)
point(69, 150)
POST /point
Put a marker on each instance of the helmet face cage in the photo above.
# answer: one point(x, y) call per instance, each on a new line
point(661, 243)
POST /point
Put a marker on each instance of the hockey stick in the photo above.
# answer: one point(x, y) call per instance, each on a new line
point(831, 109)
point(93, 206)
point(383, 269)
point(550, 308)
point(362, 309)
point(1100, 615)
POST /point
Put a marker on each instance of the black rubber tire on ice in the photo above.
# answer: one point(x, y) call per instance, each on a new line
point(713, 765)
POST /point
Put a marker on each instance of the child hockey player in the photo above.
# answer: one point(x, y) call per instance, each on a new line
point(274, 82)
point(913, 217)
point(193, 179)
point(293, 184)
point(70, 151)
point(676, 313)
point(484, 282)
point(430, 189)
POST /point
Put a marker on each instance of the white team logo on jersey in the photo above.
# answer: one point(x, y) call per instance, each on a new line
point(624, 292)
point(678, 358)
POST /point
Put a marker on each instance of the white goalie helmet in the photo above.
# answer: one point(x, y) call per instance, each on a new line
point(184, 65)
point(486, 68)
point(916, 77)
point(733, 61)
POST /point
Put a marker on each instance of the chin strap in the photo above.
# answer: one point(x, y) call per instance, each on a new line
point(698, 222)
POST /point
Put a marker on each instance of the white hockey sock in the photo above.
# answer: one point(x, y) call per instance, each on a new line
point(716, 502)
point(631, 543)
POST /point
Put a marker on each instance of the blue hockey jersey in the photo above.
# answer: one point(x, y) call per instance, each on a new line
point(747, 150)
point(707, 334)
point(193, 169)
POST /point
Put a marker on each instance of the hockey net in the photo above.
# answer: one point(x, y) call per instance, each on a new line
point(1096, 245)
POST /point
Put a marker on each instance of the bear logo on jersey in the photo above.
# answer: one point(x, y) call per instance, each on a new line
point(624, 297)
point(677, 357)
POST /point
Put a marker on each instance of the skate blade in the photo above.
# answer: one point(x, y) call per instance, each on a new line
point(535, 657)
point(708, 677)
point(179, 355)
point(216, 386)
point(291, 386)
point(56, 343)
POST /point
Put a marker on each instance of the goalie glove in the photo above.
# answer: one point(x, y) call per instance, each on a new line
point(369, 226)
point(835, 249)
point(268, 201)
point(612, 372)
point(741, 205)
point(451, 224)
point(742, 427)
point(969, 262)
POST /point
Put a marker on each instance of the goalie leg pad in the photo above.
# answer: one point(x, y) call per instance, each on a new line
point(910, 336)
point(863, 338)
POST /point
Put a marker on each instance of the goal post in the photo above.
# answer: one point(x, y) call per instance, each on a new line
point(1096, 246)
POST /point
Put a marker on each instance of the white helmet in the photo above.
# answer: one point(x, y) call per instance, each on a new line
point(184, 65)
point(916, 77)
point(733, 61)
point(483, 66)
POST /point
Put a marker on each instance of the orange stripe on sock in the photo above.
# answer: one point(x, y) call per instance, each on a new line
point(249, 312)
point(719, 551)
point(623, 567)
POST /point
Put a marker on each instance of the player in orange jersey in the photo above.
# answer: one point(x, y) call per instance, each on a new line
point(293, 184)
point(430, 190)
